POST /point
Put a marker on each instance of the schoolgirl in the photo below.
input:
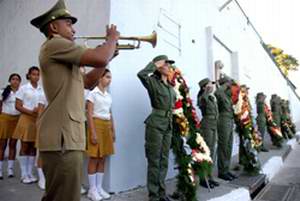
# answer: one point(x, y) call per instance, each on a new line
point(27, 103)
point(8, 121)
point(101, 135)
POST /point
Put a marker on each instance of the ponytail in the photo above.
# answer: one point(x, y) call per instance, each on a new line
point(6, 92)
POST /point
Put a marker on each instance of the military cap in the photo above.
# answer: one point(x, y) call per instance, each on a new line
point(224, 79)
point(260, 94)
point(245, 86)
point(58, 11)
point(204, 82)
point(163, 57)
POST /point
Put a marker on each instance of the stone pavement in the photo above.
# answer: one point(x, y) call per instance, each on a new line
point(286, 183)
point(12, 190)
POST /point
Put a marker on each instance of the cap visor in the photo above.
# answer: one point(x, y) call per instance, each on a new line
point(170, 61)
point(73, 19)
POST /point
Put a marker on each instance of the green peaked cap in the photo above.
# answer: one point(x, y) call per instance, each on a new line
point(204, 82)
point(58, 11)
point(163, 57)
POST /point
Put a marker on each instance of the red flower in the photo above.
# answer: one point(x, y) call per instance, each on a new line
point(178, 104)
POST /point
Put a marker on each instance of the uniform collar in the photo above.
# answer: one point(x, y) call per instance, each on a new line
point(30, 86)
point(97, 90)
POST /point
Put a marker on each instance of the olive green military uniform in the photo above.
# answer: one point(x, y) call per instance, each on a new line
point(207, 103)
point(261, 118)
point(61, 138)
point(225, 129)
point(158, 131)
point(286, 124)
point(276, 109)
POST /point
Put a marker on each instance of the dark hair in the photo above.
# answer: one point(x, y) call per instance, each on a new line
point(101, 76)
point(6, 92)
point(32, 68)
point(105, 72)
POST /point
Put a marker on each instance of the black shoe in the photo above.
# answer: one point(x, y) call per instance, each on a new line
point(264, 149)
point(204, 184)
point(1, 178)
point(213, 182)
point(166, 198)
point(232, 175)
point(225, 177)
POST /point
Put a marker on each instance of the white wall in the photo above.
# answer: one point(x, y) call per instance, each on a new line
point(19, 44)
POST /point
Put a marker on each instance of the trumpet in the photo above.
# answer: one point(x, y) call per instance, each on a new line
point(152, 39)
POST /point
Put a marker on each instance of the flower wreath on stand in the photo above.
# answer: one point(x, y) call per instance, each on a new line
point(250, 141)
point(192, 155)
point(273, 129)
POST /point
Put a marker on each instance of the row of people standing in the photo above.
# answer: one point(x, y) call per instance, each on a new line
point(20, 108)
point(217, 125)
point(217, 122)
point(18, 122)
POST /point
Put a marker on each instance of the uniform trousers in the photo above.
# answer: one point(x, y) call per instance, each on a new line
point(63, 173)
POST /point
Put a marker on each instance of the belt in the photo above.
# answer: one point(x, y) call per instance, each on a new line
point(210, 116)
point(165, 113)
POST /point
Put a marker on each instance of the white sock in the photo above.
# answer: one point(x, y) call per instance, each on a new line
point(10, 164)
point(30, 165)
point(92, 181)
point(99, 176)
point(41, 174)
point(23, 165)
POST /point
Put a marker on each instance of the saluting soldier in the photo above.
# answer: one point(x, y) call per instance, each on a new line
point(261, 119)
point(158, 135)
point(61, 139)
point(225, 128)
point(207, 103)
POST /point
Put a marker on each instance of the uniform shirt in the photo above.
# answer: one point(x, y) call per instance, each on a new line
point(9, 105)
point(207, 103)
point(224, 101)
point(162, 97)
point(29, 95)
point(42, 99)
point(102, 103)
point(61, 125)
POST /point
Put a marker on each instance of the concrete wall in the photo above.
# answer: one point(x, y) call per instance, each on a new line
point(179, 24)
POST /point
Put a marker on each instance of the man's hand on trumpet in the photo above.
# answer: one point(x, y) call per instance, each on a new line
point(112, 33)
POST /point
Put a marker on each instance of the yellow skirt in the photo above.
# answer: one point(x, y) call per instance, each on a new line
point(26, 128)
point(105, 146)
point(8, 124)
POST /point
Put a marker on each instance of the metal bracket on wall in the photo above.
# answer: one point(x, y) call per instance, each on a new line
point(171, 28)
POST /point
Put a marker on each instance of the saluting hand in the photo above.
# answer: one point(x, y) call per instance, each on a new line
point(160, 63)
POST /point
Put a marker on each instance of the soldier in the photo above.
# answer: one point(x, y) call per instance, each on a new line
point(154, 77)
point(276, 109)
point(207, 103)
point(286, 124)
point(261, 119)
point(61, 138)
point(225, 128)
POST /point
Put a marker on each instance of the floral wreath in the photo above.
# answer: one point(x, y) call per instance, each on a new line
point(191, 152)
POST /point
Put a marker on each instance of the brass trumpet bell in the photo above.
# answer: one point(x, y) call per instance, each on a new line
point(152, 39)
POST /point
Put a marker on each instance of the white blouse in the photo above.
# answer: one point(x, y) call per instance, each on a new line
point(29, 95)
point(102, 103)
point(9, 105)
point(42, 99)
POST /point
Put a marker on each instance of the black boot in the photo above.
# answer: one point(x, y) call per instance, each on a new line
point(225, 177)
point(213, 182)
